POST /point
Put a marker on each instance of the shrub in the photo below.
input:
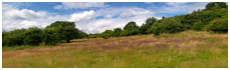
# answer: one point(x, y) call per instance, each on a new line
point(34, 36)
point(130, 26)
point(106, 34)
point(117, 32)
point(218, 26)
point(50, 36)
point(169, 25)
point(13, 38)
point(197, 26)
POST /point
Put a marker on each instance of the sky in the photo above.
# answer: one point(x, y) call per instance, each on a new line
point(90, 17)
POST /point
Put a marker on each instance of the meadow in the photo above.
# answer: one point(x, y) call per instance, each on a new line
point(187, 49)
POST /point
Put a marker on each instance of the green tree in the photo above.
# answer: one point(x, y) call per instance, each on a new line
point(218, 25)
point(106, 34)
point(65, 30)
point(169, 25)
point(82, 35)
point(198, 26)
point(148, 23)
point(117, 32)
point(50, 36)
point(34, 36)
point(216, 5)
point(130, 26)
point(13, 38)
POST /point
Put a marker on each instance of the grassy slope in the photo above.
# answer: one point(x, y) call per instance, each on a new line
point(186, 49)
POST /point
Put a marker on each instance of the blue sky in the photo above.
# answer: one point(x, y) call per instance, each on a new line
point(91, 17)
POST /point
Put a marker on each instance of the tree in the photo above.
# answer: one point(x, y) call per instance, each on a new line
point(13, 38)
point(216, 5)
point(50, 36)
point(148, 23)
point(65, 30)
point(130, 26)
point(218, 25)
point(106, 34)
point(117, 32)
point(163, 17)
point(169, 25)
point(198, 26)
point(82, 35)
point(34, 36)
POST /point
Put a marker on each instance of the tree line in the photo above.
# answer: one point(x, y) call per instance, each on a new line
point(57, 32)
point(213, 18)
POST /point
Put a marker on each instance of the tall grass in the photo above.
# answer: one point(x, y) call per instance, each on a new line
point(188, 49)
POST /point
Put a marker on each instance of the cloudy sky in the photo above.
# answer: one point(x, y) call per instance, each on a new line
point(91, 17)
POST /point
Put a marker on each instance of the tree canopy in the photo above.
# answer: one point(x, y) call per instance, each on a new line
point(130, 26)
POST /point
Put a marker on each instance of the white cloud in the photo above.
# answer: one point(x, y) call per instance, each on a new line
point(13, 18)
point(123, 12)
point(23, 14)
point(200, 5)
point(87, 20)
point(11, 24)
point(11, 11)
point(81, 5)
point(110, 22)
point(176, 3)
point(108, 16)
point(87, 15)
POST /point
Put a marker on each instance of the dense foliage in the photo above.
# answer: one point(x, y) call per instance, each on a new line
point(214, 18)
point(51, 35)
point(168, 25)
point(218, 26)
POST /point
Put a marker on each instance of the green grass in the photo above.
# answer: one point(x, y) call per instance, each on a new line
point(188, 49)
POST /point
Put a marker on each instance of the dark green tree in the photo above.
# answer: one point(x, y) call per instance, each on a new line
point(163, 17)
point(82, 35)
point(117, 32)
point(50, 36)
point(148, 23)
point(106, 34)
point(13, 38)
point(130, 26)
point(198, 26)
point(218, 25)
point(34, 36)
point(65, 30)
point(216, 5)
point(169, 25)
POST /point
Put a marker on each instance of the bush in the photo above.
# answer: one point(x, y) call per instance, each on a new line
point(13, 38)
point(169, 25)
point(218, 26)
point(65, 30)
point(129, 32)
point(145, 27)
point(107, 34)
point(51, 36)
point(198, 26)
point(93, 35)
point(34, 36)
point(124, 33)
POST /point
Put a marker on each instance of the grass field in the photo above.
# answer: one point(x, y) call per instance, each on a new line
point(188, 49)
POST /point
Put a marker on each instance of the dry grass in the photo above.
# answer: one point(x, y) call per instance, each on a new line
point(187, 49)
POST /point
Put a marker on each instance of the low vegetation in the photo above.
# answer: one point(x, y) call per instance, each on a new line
point(194, 49)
